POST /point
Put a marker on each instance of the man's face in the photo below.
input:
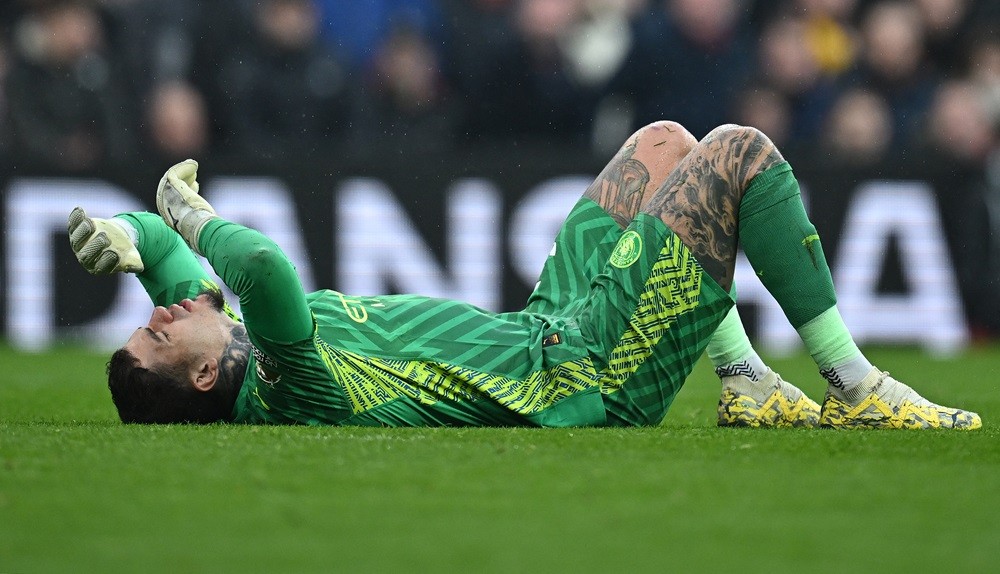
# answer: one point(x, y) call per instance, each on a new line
point(182, 333)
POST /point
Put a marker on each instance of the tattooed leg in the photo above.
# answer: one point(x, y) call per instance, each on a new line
point(639, 168)
point(700, 199)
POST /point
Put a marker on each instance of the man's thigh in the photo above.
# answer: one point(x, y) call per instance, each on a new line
point(579, 254)
point(592, 229)
point(647, 319)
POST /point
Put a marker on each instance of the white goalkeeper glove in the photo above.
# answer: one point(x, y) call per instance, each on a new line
point(179, 204)
point(103, 246)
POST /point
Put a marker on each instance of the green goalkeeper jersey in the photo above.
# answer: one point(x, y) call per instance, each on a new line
point(406, 360)
point(400, 360)
point(611, 333)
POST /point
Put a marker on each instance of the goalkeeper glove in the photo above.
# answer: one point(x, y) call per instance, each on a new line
point(103, 246)
point(179, 204)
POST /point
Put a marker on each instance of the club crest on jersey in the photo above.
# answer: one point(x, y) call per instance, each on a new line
point(627, 250)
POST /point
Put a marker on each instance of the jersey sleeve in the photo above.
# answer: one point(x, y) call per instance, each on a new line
point(272, 300)
point(172, 271)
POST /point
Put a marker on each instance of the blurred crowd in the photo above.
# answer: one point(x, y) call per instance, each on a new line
point(87, 83)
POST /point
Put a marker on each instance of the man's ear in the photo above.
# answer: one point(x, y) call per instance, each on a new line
point(207, 374)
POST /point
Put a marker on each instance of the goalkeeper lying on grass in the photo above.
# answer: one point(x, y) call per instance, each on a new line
point(636, 287)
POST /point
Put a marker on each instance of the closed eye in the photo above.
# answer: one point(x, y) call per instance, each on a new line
point(156, 336)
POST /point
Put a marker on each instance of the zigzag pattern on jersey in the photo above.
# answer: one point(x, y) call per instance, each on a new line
point(735, 369)
point(672, 289)
point(370, 382)
point(577, 259)
point(418, 328)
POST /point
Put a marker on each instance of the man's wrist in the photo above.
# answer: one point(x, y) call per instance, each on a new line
point(128, 228)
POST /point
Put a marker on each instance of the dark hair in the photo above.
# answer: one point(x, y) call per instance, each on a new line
point(165, 395)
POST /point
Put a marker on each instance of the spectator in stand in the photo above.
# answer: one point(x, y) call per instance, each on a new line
point(283, 93)
point(893, 65)
point(945, 23)
point(526, 88)
point(787, 65)
point(830, 37)
point(689, 59)
point(477, 34)
point(962, 137)
point(406, 96)
point(177, 125)
point(156, 40)
point(68, 109)
point(959, 123)
point(766, 109)
point(597, 49)
point(858, 129)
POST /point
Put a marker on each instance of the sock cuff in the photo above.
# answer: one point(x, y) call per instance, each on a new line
point(754, 201)
point(827, 339)
point(729, 343)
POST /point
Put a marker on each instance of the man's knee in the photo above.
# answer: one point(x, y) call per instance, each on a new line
point(733, 131)
point(747, 149)
point(668, 133)
point(669, 139)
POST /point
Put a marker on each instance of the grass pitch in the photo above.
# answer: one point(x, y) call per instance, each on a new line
point(80, 492)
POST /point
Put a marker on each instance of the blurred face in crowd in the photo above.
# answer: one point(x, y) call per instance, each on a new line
point(766, 110)
point(985, 60)
point(705, 20)
point(860, 126)
point(290, 24)
point(71, 31)
point(940, 16)
point(786, 57)
point(545, 21)
point(960, 122)
point(178, 120)
point(408, 69)
point(893, 37)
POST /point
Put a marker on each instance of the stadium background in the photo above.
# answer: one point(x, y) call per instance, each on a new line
point(433, 146)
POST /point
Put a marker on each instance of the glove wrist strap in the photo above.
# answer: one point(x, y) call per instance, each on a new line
point(128, 228)
point(191, 225)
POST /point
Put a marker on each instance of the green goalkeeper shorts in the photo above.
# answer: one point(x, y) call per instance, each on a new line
point(645, 307)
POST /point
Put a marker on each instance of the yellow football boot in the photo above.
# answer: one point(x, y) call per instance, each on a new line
point(881, 401)
point(770, 402)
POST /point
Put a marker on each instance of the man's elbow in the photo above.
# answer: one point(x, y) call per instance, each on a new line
point(266, 261)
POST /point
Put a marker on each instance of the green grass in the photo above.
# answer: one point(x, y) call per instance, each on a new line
point(80, 492)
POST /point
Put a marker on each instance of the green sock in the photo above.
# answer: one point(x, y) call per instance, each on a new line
point(828, 341)
point(784, 249)
point(730, 350)
point(729, 344)
point(782, 246)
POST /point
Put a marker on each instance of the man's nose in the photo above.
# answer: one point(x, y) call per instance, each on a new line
point(160, 318)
